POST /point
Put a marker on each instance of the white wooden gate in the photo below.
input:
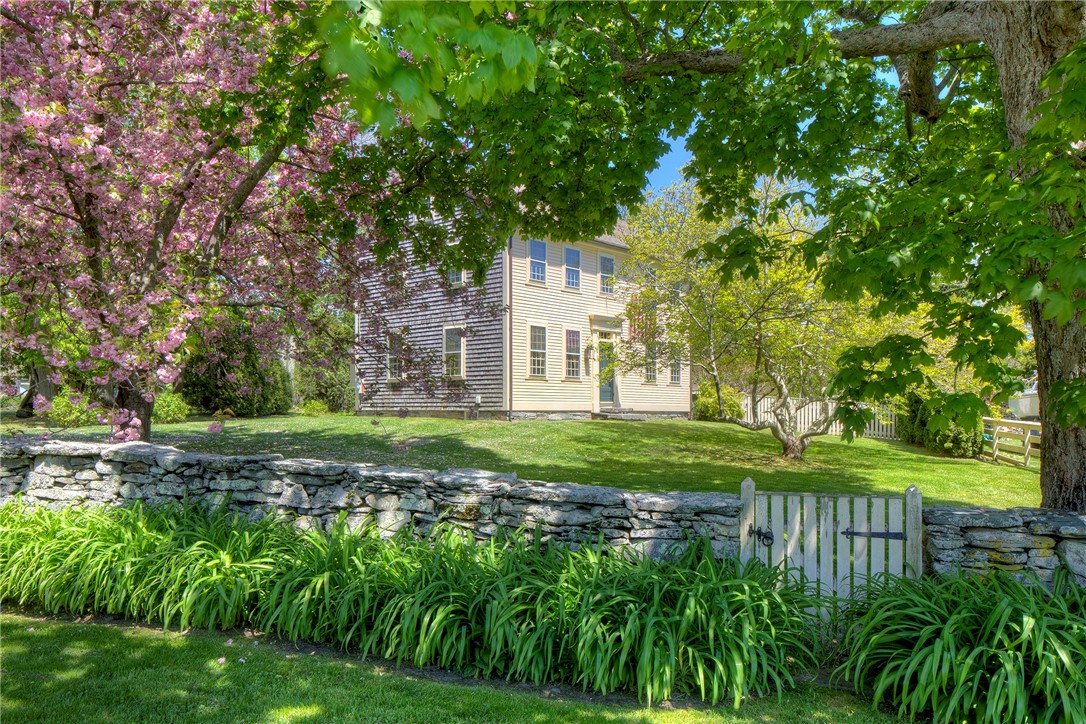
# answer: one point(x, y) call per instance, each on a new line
point(837, 541)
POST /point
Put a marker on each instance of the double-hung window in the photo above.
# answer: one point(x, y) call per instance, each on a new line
point(455, 277)
point(573, 268)
point(573, 353)
point(650, 363)
point(454, 352)
point(537, 261)
point(395, 356)
point(607, 274)
point(676, 372)
point(537, 351)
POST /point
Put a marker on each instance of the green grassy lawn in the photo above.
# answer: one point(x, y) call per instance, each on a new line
point(56, 670)
point(645, 456)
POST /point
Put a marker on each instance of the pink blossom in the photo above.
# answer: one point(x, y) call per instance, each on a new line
point(215, 427)
point(41, 406)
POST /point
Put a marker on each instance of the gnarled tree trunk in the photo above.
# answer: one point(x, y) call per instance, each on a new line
point(1026, 40)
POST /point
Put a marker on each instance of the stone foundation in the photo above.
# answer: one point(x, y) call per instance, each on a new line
point(315, 493)
point(1019, 539)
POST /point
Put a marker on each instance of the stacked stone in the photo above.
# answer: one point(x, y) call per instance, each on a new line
point(13, 474)
point(1020, 539)
point(315, 493)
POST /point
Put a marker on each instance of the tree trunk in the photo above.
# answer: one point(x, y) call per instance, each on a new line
point(1026, 39)
point(40, 384)
point(1061, 356)
point(130, 397)
point(792, 447)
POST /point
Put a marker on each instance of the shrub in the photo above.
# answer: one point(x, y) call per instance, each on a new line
point(955, 440)
point(707, 407)
point(972, 648)
point(511, 607)
point(70, 409)
point(314, 408)
point(169, 408)
point(330, 386)
point(908, 425)
point(913, 426)
point(254, 388)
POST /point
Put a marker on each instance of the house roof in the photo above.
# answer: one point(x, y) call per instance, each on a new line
point(615, 238)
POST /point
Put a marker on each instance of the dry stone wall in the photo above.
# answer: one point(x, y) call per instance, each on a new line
point(1019, 539)
point(315, 492)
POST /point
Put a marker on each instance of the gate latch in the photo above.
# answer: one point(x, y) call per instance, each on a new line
point(765, 536)
point(892, 535)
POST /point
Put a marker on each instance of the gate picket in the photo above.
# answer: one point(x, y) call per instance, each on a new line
point(795, 561)
point(844, 549)
point(776, 524)
point(895, 557)
point(810, 539)
point(878, 545)
point(825, 548)
point(859, 542)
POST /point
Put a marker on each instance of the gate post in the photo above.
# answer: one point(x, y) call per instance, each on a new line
point(746, 520)
point(914, 532)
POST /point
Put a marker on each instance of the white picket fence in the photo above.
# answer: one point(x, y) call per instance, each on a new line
point(882, 427)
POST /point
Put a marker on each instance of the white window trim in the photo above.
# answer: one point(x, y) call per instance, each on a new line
point(531, 260)
point(463, 351)
point(388, 359)
point(671, 378)
point(546, 345)
point(580, 354)
point(463, 278)
point(566, 248)
point(614, 273)
point(654, 368)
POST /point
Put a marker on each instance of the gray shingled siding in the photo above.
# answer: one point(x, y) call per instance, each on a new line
point(430, 313)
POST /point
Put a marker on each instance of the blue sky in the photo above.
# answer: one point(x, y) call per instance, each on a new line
point(670, 165)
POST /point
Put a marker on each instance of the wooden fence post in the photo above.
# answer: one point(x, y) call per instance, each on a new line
point(914, 532)
point(746, 520)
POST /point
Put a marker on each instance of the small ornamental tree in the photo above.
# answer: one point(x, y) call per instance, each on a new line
point(171, 166)
point(773, 336)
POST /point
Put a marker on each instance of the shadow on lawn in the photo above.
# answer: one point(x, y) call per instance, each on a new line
point(57, 670)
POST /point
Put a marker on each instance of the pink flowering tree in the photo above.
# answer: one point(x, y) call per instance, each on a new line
point(171, 166)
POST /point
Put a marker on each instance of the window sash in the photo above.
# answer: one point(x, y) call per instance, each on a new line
point(453, 349)
point(607, 275)
point(573, 353)
point(455, 277)
point(650, 364)
point(573, 268)
point(537, 252)
point(394, 357)
point(537, 351)
point(676, 372)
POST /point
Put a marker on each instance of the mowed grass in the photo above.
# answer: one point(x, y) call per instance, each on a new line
point(667, 455)
point(57, 670)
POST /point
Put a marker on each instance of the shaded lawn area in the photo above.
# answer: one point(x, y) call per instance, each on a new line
point(666, 455)
point(55, 670)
